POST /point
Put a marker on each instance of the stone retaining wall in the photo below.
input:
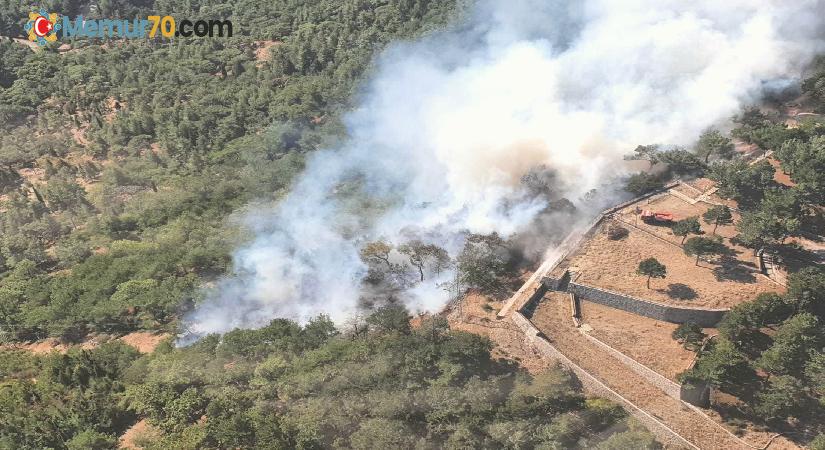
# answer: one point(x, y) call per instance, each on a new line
point(553, 283)
point(529, 303)
point(525, 301)
point(659, 311)
point(667, 386)
point(569, 245)
point(575, 307)
point(593, 386)
point(698, 395)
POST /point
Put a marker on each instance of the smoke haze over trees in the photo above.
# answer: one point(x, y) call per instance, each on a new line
point(449, 124)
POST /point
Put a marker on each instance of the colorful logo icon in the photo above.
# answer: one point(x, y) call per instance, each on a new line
point(42, 26)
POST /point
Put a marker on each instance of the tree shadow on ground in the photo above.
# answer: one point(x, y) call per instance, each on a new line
point(680, 291)
point(814, 226)
point(795, 257)
point(753, 343)
point(733, 414)
point(730, 269)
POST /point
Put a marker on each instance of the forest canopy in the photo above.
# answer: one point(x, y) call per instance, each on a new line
point(121, 161)
point(379, 383)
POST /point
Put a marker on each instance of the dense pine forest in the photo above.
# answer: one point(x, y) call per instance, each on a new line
point(378, 385)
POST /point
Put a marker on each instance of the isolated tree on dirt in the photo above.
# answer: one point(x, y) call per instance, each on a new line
point(689, 334)
point(687, 226)
point(718, 215)
point(421, 255)
point(617, 232)
point(651, 268)
point(702, 246)
point(712, 142)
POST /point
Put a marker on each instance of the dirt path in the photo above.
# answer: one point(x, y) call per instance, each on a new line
point(552, 317)
point(142, 341)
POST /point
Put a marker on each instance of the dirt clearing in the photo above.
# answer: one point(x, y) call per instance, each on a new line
point(144, 341)
point(611, 265)
point(681, 210)
point(646, 340)
point(137, 432)
point(476, 314)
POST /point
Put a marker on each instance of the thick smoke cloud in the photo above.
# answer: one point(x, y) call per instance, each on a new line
point(448, 126)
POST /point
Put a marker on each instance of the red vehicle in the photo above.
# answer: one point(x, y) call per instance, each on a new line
point(662, 217)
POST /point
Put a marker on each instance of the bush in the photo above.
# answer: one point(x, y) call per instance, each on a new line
point(690, 335)
point(818, 443)
point(641, 440)
point(616, 232)
point(91, 440)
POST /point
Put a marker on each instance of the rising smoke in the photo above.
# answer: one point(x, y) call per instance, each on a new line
point(448, 126)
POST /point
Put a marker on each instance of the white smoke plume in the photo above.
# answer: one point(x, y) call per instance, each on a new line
point(448, 125)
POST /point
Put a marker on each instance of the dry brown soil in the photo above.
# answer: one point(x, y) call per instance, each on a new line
point(612, 265)
point(646, 340)
point(135, 432)
point(508, 340)
point(142, 341)
point(552, 317)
